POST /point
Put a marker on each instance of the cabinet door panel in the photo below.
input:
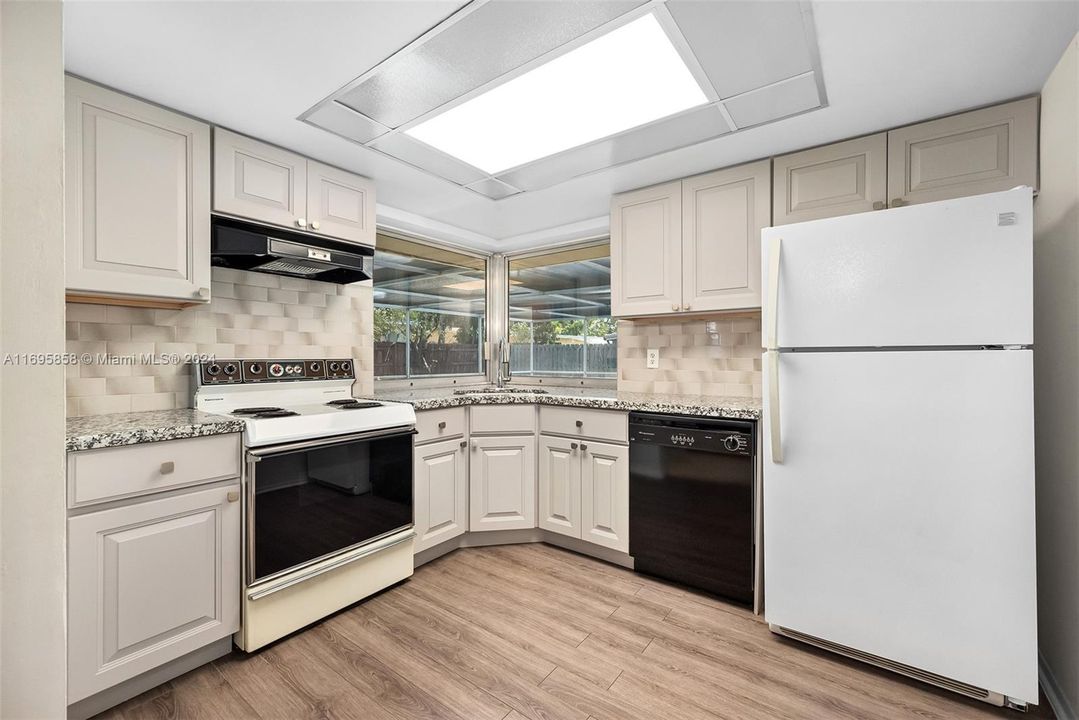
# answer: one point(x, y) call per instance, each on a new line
point(342, 204)
point(441, 493)
point(148, 583)
point(137, 197)
point(502, 483)
point(605, 495)
point(559, 485)
point(646, 251)
point(723, 214)
point(258, 181)
point(840, 179)
point(983, 151)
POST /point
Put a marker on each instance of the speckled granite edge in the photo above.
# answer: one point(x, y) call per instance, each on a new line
point(732, 408)
point(90, 432)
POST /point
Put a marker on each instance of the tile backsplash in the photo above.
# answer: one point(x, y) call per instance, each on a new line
point(709, 355)
point(250, 315)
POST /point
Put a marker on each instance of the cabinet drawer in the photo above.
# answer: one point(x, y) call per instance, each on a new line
point(110, 473)
point(440, 424)
point(577, 422)
point(503, 419)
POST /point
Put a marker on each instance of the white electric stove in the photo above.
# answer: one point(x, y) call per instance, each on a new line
point(327, 488)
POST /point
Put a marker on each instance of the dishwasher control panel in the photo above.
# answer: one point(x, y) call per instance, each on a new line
point(719, 439)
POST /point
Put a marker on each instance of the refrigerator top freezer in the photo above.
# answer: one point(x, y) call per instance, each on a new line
point(899, 441)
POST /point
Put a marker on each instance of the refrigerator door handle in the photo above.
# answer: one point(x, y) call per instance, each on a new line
point(774, 252)
point(772, 356)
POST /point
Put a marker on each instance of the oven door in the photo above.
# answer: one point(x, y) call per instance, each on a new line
point(307, 501)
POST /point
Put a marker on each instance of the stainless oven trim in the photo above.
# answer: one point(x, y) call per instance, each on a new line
point(255, 456)
point(372, 546)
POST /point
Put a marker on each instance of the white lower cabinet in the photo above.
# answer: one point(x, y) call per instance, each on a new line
point(440, 492)
point(150, 582)
point(559, 484)
point(502, 483)
point(605, 495)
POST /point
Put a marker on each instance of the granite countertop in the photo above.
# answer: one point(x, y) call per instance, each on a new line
point(597, 398)
point(99, 431)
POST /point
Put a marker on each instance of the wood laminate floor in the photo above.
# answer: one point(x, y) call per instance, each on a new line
point(532, 631)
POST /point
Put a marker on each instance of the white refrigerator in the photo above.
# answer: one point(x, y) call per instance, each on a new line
point(898, 440)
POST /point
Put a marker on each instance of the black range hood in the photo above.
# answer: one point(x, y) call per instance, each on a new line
point(260, 248)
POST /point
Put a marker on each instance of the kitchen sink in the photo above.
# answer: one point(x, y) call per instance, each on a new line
point(498, 390)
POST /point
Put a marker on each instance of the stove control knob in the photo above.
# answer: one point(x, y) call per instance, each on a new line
point(214, 369)
point(316, 367)
point(334, 367)
point(255, 368)
point(732, 443)
point(346, 366)
point(277, 370)
point(230, 368)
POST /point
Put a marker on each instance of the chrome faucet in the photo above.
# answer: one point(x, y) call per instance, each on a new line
point(503, 372)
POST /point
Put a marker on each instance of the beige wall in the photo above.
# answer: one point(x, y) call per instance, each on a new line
point(1056, 383)
point(717, 355)
point(32, 652)
point(252, 315)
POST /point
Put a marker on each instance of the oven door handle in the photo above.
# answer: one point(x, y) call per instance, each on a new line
point(259, 453)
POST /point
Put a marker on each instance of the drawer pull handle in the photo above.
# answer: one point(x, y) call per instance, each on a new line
point(233, 496)
point(167, 467)
point(580, 423)
point(442, 425)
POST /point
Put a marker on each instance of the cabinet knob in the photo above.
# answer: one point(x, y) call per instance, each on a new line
point(204, 293)
point(475, 444)
point(674, 307)
point(579, 423)
point(464, 444)
point(300, 222)
point(233, 496)
point(685, 307)
point(583, 447)
point(879, 205)
point(314, 224)
point(167, 467)
point(442, 425)
point(573, 446)
point(899, 202)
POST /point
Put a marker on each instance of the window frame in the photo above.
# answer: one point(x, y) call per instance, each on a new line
point(403, 382)
point(506, 321)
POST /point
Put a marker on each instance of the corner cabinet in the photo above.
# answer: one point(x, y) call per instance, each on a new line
point(137, 198)
point(502, 483)
point(559, 484)
point(691, 245)
point(261, 182)
point(440, 492)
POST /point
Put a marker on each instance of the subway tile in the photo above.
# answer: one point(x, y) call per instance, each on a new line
point(71, 331)
point(103, 331)
point(178, 318)
point(104, 404)
point(250, 292)
point(283, 296)
point(154, 401)
point(180, 383)
point(129, 385)
point(85, 312)
point(81, 387)
point(128, 315)
point(153, 333)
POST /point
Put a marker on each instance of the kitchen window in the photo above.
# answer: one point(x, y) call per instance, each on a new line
point(560, 322)
point(430, 310)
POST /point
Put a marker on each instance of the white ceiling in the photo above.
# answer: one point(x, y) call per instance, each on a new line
point(255, 66)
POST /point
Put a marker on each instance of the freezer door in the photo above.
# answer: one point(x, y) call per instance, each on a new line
point(958, 272)
point(901, 520)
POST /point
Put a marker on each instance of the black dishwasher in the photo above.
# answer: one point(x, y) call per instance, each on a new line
point(691, 495)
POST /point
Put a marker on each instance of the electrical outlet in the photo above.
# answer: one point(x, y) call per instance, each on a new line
point(653, 357)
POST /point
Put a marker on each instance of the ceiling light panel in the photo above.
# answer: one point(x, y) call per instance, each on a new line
point(424, 156)
point(481, 45)
point(345, 122)
point(626, 78)
point(492, 188)
point(688, 128)
point(780, 100)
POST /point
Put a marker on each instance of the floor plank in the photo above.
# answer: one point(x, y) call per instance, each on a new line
point(534, 632)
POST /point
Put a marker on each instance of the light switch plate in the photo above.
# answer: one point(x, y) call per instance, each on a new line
point(653, 358)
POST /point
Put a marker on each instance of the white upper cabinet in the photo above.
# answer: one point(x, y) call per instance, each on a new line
point(137, 203)
point(723, 213)
point(840, 179)
point(264, 183)
point(691, 245)
point(982, 151)
point(259, 181)
point(340, 204)
point(646, 251)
